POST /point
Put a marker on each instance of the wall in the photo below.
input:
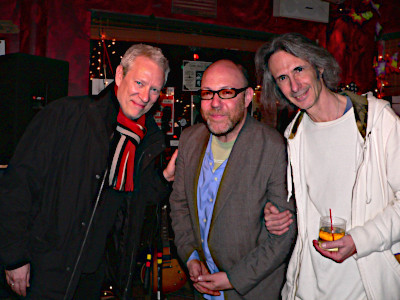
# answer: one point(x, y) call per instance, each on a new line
point(61, 30)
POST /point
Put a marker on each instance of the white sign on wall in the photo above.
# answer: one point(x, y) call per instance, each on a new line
point(98, 84)
point(2, 47)
point(192, 74)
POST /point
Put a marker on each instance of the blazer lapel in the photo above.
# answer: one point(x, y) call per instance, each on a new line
point(233, 169)
point(196, 160)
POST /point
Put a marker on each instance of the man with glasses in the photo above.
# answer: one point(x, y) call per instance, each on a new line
point(227, 170)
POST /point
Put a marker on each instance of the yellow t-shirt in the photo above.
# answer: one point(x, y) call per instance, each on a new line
point(220, 151)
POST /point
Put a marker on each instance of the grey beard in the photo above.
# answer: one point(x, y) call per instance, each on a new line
point(230, 129)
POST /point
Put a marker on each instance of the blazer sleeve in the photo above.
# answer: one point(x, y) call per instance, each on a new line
point(272, 251)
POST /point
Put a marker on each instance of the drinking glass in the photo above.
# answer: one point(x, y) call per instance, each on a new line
point(331, 232)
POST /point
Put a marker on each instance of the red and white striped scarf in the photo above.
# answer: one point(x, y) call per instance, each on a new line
point(127, 137)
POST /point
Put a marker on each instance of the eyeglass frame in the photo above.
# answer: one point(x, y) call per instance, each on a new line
point(237, 92)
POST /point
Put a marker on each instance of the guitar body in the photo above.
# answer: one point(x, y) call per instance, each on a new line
point(173, 277)
point(165, 269)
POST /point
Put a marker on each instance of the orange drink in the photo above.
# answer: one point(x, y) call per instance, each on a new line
point(331, 232)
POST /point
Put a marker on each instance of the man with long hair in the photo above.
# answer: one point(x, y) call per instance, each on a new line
point(344, 159)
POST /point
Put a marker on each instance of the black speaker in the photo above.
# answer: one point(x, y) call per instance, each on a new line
point(27, 84)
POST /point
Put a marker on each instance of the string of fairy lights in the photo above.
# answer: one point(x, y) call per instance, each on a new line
point(104, 58)
point(105, 53)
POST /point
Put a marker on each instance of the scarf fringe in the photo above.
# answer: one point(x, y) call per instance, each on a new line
point(127, 137)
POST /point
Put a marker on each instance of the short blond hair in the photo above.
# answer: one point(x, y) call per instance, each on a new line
point(151, 52)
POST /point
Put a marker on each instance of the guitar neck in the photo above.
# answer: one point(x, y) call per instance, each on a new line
point(164, 229)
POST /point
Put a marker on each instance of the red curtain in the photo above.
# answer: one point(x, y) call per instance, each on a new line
point(353, 47)
point(61, 30)
point(69, 26)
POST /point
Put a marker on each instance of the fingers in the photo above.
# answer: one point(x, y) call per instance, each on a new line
point(202, 287)
point(204, 270)
point(18, 286)
point(194, 268)
point(345, 246)
point(278, 223)
point(18, 279)
point(321, 250)
point(198, 271)
point(206, 282)
point(336, 255)
point(277, 227)
point(274, 210)
point(276, 216)
point(267, 208)
point(169, 171)
point(206, 277)
point(271, 213)
point(174, 155)
point(199, 287)
point(331, 245)
point(172, 162)
point(279, 232)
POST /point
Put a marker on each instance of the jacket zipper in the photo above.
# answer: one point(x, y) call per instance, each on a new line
point(133, 250)
point(86, 234)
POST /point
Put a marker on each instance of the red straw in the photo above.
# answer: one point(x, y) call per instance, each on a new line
point(330, 214)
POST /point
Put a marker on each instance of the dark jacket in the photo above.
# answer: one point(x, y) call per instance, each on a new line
point(48, 192)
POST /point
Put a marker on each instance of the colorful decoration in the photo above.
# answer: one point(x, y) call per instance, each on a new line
point(356, 17)
point(374, 6)
point(360, 18)
point(367, 15)
point(380, 63)
point(378, 28)
point(380, 67)
point(391, 65)
point(384, 64)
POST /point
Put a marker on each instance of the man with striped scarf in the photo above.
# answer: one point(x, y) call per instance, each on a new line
point(84, 167)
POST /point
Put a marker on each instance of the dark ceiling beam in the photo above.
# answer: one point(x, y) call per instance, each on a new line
point(149, 29)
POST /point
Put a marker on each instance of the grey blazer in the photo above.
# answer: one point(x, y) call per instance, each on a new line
point(254, 260)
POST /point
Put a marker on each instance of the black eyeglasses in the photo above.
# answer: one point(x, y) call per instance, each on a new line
point(223, 93)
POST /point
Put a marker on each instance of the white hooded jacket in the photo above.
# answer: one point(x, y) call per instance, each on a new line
point(375, 223)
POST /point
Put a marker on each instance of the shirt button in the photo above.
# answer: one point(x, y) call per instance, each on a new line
point(215, 178)
point(202, 240)
point(204, 220)
point(83, 224)
point(97, 176)
point(210, 163)
point(211, 200)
